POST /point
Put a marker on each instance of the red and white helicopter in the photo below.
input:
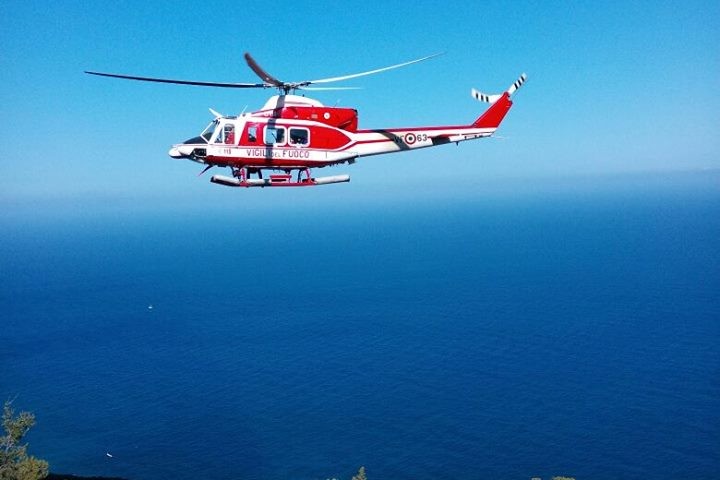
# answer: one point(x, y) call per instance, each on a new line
point(295, 133)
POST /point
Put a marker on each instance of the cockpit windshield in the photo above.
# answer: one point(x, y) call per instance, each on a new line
point(205, 136)
point(209, 130)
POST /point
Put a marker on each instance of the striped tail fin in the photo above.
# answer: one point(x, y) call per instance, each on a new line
point(500, 105)
point(484, 97)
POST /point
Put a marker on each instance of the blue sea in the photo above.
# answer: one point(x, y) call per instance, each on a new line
point(566, 330)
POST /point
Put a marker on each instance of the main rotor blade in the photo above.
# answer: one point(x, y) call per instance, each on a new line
point(183, 82)
point(318, 89)
point(264, 76)
point(378, 70)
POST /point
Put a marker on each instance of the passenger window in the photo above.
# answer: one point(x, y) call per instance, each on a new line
point(274, 135)
point(252, 133)
point(299, 137)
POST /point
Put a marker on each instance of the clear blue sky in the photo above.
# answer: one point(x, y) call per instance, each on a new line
point(614, 87)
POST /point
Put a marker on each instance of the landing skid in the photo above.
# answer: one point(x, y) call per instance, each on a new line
point(242, 177)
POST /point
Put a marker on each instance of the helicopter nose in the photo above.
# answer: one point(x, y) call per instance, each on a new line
point(180, 151)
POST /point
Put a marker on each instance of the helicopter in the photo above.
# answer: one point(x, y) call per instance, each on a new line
point(293, 133)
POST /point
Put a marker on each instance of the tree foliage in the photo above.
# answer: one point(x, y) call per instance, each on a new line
point(15, 464)
point(360, 475)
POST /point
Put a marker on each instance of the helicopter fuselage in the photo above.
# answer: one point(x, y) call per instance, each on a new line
point(293, 132)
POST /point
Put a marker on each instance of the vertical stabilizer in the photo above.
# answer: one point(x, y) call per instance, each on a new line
point(495, 114)
point(500, 105)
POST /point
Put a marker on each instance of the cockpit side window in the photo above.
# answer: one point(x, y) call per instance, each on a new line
point(227, 135)
point(229, 132)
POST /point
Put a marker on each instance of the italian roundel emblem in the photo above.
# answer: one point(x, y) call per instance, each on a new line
point(410, 138)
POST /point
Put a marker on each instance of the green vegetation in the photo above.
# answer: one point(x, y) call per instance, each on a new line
point(360, 475)
point(15, 464)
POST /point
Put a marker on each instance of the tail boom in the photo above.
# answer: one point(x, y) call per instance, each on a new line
point(376, 142)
